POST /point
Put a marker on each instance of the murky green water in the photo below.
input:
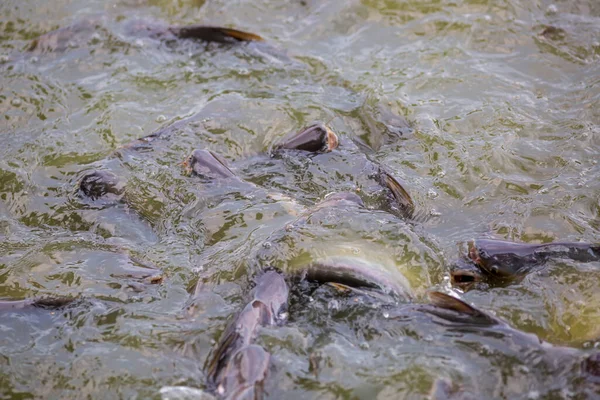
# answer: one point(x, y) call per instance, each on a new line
point(503, 98)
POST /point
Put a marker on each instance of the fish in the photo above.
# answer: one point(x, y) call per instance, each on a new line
point(499, 261)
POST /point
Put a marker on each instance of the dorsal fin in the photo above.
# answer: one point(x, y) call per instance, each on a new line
point(403, 199)
point(473, 315)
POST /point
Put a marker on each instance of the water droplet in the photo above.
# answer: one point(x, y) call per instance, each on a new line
point(435, 213)
point(310, 299)
point(432, 194)
point(333, 305)
point(386, 314)
point(534, 394)
point(364, 346)
point(161, 118)
point(221, 390)
point(16, 102)
point(267, 245)
point(283, 316)
point(487, 17)
point(552, 9)
point(4, 59)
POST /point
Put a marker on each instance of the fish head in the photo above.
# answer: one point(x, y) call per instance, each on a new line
point(208, 165)
point(317, 138)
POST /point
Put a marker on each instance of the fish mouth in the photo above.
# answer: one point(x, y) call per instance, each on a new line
point(316, 138)
point(465, 274)
point(332, 140)
point(465, 279)
point(473, 253)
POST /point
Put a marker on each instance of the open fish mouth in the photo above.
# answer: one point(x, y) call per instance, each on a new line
point(317, 138)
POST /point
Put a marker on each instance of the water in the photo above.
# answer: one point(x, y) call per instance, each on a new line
point(503, 100)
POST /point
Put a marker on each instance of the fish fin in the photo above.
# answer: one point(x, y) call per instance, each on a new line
point(450, 303)
point(402, 197)
point(214, 34)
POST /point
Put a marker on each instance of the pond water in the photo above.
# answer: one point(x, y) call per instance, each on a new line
point(503, 100)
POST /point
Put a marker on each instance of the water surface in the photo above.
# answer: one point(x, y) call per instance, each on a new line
point(503, 98)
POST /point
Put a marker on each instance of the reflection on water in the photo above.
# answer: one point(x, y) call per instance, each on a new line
point(504, 139)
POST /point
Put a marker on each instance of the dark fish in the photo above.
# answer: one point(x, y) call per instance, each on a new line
point(317, 138)
point(238, 367)
point(208, 165)
point(78, 33)
point(97, 184)
point(50, 303)
point(509, 260)
point(213, 34)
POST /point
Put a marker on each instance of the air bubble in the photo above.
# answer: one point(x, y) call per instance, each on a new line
point(16, 102)
point(552, 9)
point(161, 118)
point(432, 194)
point(386, 314)
point(267, 245)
